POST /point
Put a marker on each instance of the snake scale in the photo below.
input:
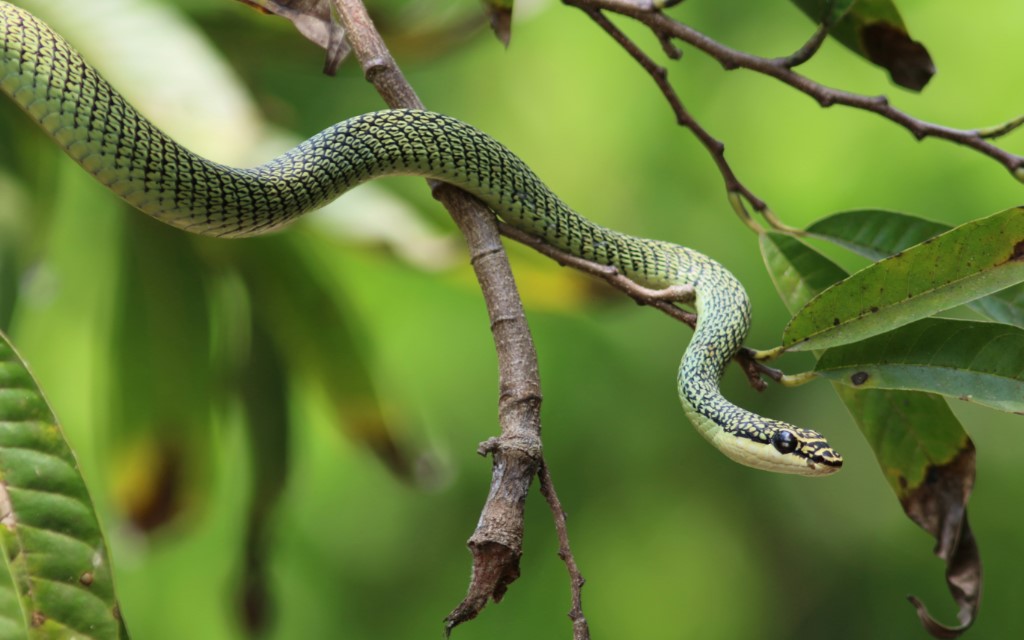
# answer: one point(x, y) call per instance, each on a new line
point(83, 114)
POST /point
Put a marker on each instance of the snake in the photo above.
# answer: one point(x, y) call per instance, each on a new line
point(87, 118)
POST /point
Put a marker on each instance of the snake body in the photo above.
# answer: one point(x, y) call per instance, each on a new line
point(103, 133)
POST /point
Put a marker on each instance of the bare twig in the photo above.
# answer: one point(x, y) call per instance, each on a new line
point(737, 191)
point(517, 456)
point(1000, 130)
point(580, 629)
point(647, 13)
point(807, 51)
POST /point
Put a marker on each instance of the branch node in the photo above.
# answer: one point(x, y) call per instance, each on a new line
point(671, 50)
point(374, 67)
point(487, 447)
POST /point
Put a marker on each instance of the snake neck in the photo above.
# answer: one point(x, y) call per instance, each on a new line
point(723, 316)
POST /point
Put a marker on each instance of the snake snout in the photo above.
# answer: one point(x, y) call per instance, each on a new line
point(821, 458)
point(825, 460)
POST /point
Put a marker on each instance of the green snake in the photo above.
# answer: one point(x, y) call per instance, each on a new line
point(94, 125)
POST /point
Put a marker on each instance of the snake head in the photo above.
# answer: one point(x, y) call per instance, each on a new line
point(800, 451)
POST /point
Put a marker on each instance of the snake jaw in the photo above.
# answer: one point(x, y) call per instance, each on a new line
point(772, 446)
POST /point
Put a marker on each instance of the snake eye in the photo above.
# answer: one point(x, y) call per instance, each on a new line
point(784, 441)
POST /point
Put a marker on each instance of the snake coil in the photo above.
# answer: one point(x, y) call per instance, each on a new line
point(94, 125)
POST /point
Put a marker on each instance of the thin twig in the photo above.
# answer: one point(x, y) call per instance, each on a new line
point(663, 26)
point(807, 51)
point(738, 193)
point(1000, 130)
point(580, 628)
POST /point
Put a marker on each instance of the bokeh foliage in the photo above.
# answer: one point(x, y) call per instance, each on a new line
point(671, 536)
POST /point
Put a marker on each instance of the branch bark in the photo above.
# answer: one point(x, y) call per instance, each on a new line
point(667, 29)
point(517, 454)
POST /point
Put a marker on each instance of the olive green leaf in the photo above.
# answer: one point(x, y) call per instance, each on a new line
point(875, 233)
point(979, 362)
point(825, 11)
point(264, 392)
point(49, 533)
point(961, 265)
point(293, 304)
point(878, 234)
point(875, 30)
point(885, 417)
point(166, 392)
point(920, 445)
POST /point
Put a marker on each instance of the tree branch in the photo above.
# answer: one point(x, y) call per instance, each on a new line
point(666, 28)
point(714, 147)
point(517, 455)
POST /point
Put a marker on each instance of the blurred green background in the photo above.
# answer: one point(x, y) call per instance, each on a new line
point(675, 540)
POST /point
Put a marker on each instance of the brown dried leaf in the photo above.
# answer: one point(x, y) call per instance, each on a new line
point(907, 60)
point(500, 13)
point(939, 506)
point(313, 19)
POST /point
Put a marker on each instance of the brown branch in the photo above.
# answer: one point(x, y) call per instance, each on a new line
point(660, 76)
point(496, 543)
point(664, 27)
point(805, 52)
point(580, 629)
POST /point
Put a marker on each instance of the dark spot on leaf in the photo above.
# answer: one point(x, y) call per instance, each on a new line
point(1018, 251)
point(903, 482)
point(117, 612)
point(835, 322)
point(897, 254)
point(874, 309)
point(38, 618)
point(86, 578)
point(859, 378)
point(890, 47)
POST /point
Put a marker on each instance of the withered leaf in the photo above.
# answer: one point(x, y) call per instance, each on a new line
point(500, 13)
point(314, 21)
point(939, 506)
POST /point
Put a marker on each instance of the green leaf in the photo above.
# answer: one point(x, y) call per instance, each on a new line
point(825, 11)
point(877, 234)
point(886, 418)
point(975, 361)
point(799, 272)
point(922, 448)
point(292, 303)
point(161, 324)
point(49, 533)
point(959, 266)
point(875, 30)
